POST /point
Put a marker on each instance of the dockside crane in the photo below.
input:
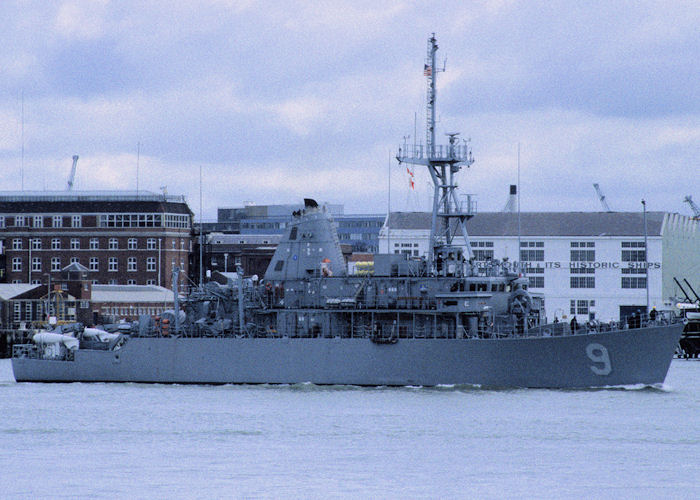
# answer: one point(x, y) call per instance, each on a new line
point(687, 297)
point(601, 197)
point(693, 206)
point(692, 290)
point(71, 178)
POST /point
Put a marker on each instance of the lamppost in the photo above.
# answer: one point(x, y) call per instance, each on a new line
point(225, 262)
point(646, 253)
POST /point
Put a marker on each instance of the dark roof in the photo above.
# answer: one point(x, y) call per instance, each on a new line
point(94, 203)
point(544, 223)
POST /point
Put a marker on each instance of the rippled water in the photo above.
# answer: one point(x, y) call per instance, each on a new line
point(167, 441)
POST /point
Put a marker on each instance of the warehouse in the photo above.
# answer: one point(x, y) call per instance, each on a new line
point(587, 264)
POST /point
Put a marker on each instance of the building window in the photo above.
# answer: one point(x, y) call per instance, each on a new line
point(16, 264)
point(151, 244)
point(483, 250)
point(173, 242)
point(20, 221)
point(55, 264)
point(131, 244)
point(581, 306)
point(113, 244)
point(36, 244)
point(582, 281)
point(177, 221)
point(634, 282)
point(151, 264)
point(130, 282)
point(94, 264)
point(36, 264)
point(536, 281)
point(74, 244)
point(57, 221)
point(633, 256)
point(633, 251)
point(17, 244)
point(582, 270)
point(55, 243)
point(74, 260)
point(131, 264)
point(94, 243)
point(482, 255)
point(76, 221)
point(38, 221)
point(532, 251)
point(150, 282)
point(582, 251)
point(130, 220)
point(2, 221)
point(112, 265)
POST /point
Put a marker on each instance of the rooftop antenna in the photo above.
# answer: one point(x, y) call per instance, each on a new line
point(443, 162)
point(601, 197)
point(138, 158)
point(22, 155)
point(201, 232)
point(519, 232)
point(71, 177)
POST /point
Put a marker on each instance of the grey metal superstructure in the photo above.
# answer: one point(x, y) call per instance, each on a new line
point(442, 320)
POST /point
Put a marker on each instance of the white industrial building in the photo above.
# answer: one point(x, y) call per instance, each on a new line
point(584, 263)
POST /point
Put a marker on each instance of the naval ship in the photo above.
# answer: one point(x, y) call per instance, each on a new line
point(441, 319)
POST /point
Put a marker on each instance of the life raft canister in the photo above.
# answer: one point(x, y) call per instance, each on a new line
point(165, 329)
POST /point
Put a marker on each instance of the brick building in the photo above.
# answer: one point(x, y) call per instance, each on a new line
point(121, 237)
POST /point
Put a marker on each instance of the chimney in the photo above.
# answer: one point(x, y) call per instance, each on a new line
point(512, 204)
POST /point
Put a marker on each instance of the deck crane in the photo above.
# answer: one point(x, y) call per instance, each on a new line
point(693, 206)
point(601, 196)
point(71, 177)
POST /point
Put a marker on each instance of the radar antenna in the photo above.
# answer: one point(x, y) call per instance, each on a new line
point(449, 214)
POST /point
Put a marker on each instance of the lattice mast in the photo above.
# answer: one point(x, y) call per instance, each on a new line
point(443, 161)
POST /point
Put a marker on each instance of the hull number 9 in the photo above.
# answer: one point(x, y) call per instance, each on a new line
point(599, 355)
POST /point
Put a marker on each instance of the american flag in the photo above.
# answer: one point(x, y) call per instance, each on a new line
point(427, 70)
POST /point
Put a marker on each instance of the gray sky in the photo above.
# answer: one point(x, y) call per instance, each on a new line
point(277, 101)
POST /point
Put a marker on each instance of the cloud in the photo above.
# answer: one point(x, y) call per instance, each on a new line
point(81, 20)
point(276, 100)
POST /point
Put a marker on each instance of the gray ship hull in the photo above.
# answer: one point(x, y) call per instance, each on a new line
point(625, 357)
